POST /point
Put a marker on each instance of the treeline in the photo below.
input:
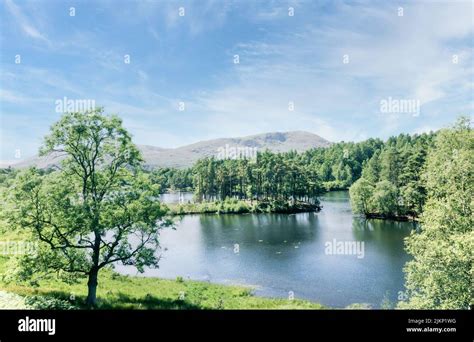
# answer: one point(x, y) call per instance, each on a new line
point(171, 179)
point(340, 165)
point(6, 175)
point(391, 183)
point(384, 178)
point(440, 274)
point(272, 176)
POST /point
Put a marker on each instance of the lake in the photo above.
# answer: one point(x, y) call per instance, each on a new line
point(298, 255)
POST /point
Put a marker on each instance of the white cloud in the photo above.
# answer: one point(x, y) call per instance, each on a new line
point(24, 22)
point(13, 97)
point(402, 57)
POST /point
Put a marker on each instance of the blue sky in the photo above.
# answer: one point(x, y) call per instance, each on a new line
point(190, 59)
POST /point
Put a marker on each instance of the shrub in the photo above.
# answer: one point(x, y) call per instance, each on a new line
point(48, 303)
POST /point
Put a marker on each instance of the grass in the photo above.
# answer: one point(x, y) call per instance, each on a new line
point(128, 292)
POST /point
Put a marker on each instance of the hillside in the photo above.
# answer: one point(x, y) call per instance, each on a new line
point(187, 155)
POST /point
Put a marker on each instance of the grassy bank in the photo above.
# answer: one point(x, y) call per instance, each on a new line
point(127, 292)
point(234, 206)
point(131, 292)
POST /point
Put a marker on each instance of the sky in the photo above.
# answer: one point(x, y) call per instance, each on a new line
point(178, 72)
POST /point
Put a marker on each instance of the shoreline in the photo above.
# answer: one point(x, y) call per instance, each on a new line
point(398, 218)
point(241, 207)
point(117, 291)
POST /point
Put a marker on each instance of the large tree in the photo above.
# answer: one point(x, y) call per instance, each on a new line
point(361, 193)
point(384, 198)
point(441, 274)
point(98, 208)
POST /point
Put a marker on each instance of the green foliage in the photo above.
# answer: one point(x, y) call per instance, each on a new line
point(359, 306)
point(385, 198)
point(170, 179)
point(97, 209)
point(48, 303)
point(340, 164)
point(128, 292)
point(283, 176)
point(395, 172)
point(6, 176)
point(270, 177)
point(235, 206)
point(361, 193)
point(441, 274)
point(432, 176)
point(232, 205)
point(371, 168)
point(85, 213)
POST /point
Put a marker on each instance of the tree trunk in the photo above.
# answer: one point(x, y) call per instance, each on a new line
point(92, 288)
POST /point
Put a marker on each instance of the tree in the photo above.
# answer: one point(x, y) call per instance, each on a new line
point(361, 194)
point(399, 162)
point(99, 208)
point(325, 171)
point(385, 198)
point(390, 165)
point(371, 170)
point(412, 188)
point(441, 272)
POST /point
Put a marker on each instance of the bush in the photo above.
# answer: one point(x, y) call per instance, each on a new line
point(48, 303)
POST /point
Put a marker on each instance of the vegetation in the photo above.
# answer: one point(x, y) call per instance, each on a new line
point(391, 184)
point(170, 179)
point(85, 214)
point(234, 206)
point(441, 274)
point(281, 182)
point(340, 165)
point(430, 177)
point(271, 177)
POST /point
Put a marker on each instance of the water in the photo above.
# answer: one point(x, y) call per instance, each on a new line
point(281, 254)
point(177, 197)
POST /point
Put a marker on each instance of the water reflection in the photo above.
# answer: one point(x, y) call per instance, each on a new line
point(279, 253)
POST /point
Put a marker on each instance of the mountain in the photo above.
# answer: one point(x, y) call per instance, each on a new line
point(185, 156)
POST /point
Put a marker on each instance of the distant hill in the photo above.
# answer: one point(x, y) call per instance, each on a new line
point(185, 156)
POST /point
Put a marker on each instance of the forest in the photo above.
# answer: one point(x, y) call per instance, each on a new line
point(391, 184)
point(272, 175)
point(271, 182)
point(384, 177)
